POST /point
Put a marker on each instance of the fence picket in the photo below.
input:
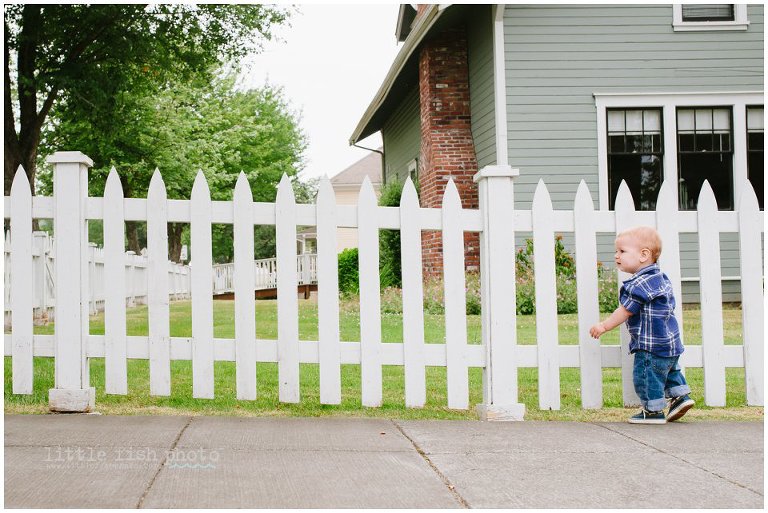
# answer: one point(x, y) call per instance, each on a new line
point(158, 288)
point(287, 296)
point(752, 301)
point(625, 219)
point(202, 290)
point(115, 351)
point(328, 295)
point(667, 225)
point(711, 298)
point(455, 300)
point(590, 363)
point(370, 300)
point(542, 218)
point(413, 298)
point(245, 303)
point(21, 289)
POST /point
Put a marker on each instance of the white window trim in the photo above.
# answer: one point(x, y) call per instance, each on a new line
point(740, 21)
point(669, 102)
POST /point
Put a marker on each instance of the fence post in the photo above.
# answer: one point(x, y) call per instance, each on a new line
point(497, 286)
point(70, 192)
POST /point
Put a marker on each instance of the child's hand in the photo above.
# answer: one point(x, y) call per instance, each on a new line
point(597, 330)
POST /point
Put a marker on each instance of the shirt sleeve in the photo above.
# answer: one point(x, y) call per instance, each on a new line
point(633, 298)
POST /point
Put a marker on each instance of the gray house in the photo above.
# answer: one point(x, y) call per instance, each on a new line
point(604, 93)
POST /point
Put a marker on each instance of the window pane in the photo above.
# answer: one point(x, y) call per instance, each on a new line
point(652, 121)
point(755, 119)
point(634, 143)
point(685, 120)
point(703, 120)
point(755, 141)
point(642, 174)
point(722, 120)
point(616, 144)
point(708, 12)
point(686, 142)
point(634, 121)
point(697, 167)
point(615, 121)
point(704, 141)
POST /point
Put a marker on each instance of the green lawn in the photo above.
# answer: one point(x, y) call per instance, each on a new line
point(138, 401)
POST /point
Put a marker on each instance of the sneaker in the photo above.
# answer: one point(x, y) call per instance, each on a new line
point(678, 406)
point(648, 417)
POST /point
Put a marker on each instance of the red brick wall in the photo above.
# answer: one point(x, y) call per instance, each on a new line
point(447, 148)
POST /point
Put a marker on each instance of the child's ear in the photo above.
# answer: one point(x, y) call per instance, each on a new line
point(645, 254)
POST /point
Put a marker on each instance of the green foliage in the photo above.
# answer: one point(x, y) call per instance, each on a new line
point(89, 57)
point(200, 125)
point(565, 280)
point(349, 274)
point(391, 274)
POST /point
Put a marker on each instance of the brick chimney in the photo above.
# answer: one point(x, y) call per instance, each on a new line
point(447, 148)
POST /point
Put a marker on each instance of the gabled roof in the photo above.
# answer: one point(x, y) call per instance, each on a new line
point(353, 175)
point(402, 75)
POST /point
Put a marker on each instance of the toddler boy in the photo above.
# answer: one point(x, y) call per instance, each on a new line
point(647, 306)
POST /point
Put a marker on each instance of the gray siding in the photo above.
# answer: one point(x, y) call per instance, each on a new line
point(401, 135)
point(480, 58)
point(558, 56)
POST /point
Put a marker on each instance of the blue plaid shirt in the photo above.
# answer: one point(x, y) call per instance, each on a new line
point(652, 326)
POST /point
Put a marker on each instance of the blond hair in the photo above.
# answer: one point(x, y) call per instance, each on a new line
point(647, 237)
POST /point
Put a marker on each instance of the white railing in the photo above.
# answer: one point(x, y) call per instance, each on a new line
point(42, 279)
point(499, 355)
point(265, 274)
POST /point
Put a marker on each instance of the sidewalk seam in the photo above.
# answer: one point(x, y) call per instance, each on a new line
point(443, 477)
point(162, 465)
point(681, 459)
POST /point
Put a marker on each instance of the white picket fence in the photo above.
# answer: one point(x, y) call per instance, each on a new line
point(43, 279)
point(499, 355)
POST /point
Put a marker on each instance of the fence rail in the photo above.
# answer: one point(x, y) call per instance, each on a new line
point(499, 355)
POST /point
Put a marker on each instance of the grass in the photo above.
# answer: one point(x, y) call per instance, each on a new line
point(139, 402)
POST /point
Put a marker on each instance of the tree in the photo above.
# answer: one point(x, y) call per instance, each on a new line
point(89, 54)
point(189, 126)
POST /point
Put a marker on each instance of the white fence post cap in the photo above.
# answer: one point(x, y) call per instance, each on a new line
point(69, 157)
point(495, 171)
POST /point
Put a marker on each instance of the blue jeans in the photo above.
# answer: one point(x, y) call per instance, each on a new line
point(657, 377)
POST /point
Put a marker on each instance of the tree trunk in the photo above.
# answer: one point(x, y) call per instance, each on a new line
point(132, 233)
point(174, 241)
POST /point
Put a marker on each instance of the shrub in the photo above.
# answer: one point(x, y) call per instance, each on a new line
point(390, 274)
point(565, 280)
point(349, 273)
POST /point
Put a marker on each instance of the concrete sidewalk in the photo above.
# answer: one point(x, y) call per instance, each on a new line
point(204, 462)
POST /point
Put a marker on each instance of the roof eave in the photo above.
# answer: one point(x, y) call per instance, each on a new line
point(423, 24)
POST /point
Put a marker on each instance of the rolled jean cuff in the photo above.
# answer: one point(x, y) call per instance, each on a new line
point(677, 391)
point(655, 404)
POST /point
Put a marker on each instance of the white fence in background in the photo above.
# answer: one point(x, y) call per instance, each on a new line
point(42, 280)
point(499, 355)
point(265, 273)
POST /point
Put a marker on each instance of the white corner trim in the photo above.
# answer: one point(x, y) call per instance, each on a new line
point(500, 85)
point(740, 21)
point(668, 102)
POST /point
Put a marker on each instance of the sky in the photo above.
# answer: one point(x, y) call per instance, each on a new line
point(330, 64)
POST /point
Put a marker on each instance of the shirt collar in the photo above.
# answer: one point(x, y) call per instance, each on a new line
point(654, 267)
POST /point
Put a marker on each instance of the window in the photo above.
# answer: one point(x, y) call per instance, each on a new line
point(699, 17)
point(635, 155)
point(705, 152)
point(755, 144)
point(708, 12)
point(413, 170)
